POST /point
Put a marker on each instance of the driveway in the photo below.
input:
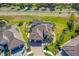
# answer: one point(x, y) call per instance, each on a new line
point(37, 50)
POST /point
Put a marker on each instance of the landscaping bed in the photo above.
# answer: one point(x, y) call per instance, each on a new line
point(47, 53)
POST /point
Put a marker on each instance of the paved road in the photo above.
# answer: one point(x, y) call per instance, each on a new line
point(63, 14)
point(37, 51)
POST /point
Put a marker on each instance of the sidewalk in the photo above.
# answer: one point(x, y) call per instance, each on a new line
point(37, 51)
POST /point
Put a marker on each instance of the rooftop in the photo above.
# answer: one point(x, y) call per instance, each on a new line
point(37, 28)
point(9, 36)
point(72, 47)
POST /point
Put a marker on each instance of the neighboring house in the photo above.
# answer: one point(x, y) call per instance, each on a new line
point(16, 32)
point(71, 48)
point(2, 41)
point(37, 31)
point(8, 41)
point(14, 44)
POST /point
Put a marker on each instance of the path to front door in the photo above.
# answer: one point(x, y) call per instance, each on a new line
point(37, 50)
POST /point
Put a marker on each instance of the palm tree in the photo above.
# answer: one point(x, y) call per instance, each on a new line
point(77, 28)
point(58, 43)
point(71, 22)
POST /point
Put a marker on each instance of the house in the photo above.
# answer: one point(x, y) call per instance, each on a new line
point(14, 45)
point(71, 48)
point(2, 41)
point(37, 31)
point(10, 44)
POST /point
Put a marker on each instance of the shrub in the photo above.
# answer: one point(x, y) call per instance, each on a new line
point(45, 47)
point(70, 25)
point(70, 22)
point(20, 24)
point(77, 28)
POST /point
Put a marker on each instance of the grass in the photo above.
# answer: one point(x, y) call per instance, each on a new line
point(51, 47)
point(15, 19)
point(54, 19)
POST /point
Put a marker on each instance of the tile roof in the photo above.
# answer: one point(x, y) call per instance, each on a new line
point(15, 43)
point(36, 32)
point(35, 36)
point(8, 37)
point(2, 40)
point(72, 47)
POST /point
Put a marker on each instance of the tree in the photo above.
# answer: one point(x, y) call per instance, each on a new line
point(40, 5)
point(77, 28)
point(29, 6)
point(70, 22)
point(76, 6)
point(2, 23)
point(58, 43)
point(51, 6)
point(22, 6)
point(45, 47)
point(20, 24)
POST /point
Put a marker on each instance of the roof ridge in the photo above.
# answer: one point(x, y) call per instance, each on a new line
point(39, 33)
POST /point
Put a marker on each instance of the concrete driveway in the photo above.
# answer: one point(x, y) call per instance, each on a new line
point(37, 50)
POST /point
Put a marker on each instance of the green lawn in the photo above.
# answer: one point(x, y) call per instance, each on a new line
point(54, 19)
